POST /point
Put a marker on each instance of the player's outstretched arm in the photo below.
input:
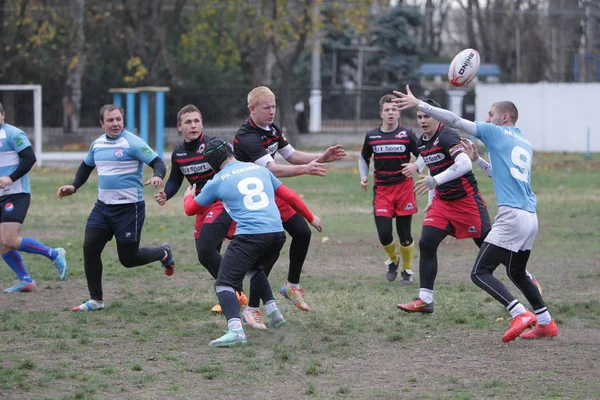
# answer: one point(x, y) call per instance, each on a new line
point(332, 153)
point(286, 171)
point(408, 100)
point(290, 197)
point(190, 205)
point(81, 176)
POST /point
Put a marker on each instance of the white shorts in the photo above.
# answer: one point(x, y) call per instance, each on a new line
point(513, 229)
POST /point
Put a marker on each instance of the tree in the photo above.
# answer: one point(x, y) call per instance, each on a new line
point(75, 68)
point(396, 32)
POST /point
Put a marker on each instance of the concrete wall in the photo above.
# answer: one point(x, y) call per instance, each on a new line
point(554, 116)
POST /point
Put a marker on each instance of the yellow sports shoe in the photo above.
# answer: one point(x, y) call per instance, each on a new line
point(295, 295)
point(216, 309)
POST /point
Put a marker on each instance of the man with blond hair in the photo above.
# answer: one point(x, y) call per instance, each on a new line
point(257, 140)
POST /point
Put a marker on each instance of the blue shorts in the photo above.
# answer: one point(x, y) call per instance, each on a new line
point(124, 221)
point(13, 207)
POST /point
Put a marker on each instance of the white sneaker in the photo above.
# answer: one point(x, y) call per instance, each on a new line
point(90, 305)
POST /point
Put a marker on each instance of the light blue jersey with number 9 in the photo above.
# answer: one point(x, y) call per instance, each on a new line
point(247, 191)
point(511, 157)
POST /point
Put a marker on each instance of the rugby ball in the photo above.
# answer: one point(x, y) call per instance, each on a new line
point(463, 67)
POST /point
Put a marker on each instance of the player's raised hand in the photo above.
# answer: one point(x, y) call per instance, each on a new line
point(333, 153)
point(155, 181)
point(191, 190)
point(426, 184)
point(470, 149)
point(406, 101)
point(65, 191)
point(315, 168)
point(317, 224)
point(364, 183)
point(409, 169)
point(161, 198)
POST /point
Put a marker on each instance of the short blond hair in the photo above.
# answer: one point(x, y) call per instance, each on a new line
point(259, 92)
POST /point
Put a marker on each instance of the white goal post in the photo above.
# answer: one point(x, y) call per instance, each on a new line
point(37, 115)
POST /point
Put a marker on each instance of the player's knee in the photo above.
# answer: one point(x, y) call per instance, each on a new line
point(427, 246)
point(11, 242)
point(303, 234)
point(127, 261)
point(406, 241)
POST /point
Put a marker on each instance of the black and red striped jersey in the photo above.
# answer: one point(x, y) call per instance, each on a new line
point(439, 153)
point(389, 150)
point(252, 142)
point(187, 161)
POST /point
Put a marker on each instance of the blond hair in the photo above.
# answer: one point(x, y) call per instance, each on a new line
point(259, 92)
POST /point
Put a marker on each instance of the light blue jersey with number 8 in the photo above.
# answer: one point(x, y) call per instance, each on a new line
point(247, 191)
point(511, 157)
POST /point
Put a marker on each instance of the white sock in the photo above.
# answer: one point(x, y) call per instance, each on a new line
point(544, 318)
point(292, 285)
point(426, 295)
point(234, 324)
point(271, 306)
point(515, 308)
point(528, 275)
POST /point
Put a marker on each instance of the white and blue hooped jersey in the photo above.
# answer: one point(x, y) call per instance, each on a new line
point(248, 194)
point(12, 141)
point(511, 157)
point(120, 162)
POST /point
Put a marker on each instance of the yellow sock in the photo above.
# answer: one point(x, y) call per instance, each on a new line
point(407, 253)
point(390, 250)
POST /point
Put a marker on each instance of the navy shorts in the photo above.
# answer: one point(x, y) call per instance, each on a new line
point(124, 221)
point(248, 252)
point(13, 207)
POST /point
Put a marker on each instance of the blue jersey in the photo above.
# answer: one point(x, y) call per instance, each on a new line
point(120, 162)
point(12, 141)
point(511, 157)
point(248, 194)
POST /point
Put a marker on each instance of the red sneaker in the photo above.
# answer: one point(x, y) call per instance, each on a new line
point(541, 331)
point(518, 325)
point(417, 305)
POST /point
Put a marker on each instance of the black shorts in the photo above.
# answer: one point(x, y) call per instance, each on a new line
point(13, 207)
point(124, 221)
point(248, 252)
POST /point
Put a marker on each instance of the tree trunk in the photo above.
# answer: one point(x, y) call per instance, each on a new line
point(286, 106)
point(75, 68)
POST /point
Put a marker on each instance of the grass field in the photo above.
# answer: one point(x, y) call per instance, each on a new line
point(152, 340)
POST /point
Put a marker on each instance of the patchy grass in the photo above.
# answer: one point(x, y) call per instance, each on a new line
point(152, 339)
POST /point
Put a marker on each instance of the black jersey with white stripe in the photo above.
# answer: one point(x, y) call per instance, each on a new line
point(251, 142)
point(389, 151)
point(439, 153)
point(188, 162)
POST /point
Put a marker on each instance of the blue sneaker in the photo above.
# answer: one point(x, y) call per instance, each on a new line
point(22, 286)
point(90, 305)
point(60, 262)
point(230, 338)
